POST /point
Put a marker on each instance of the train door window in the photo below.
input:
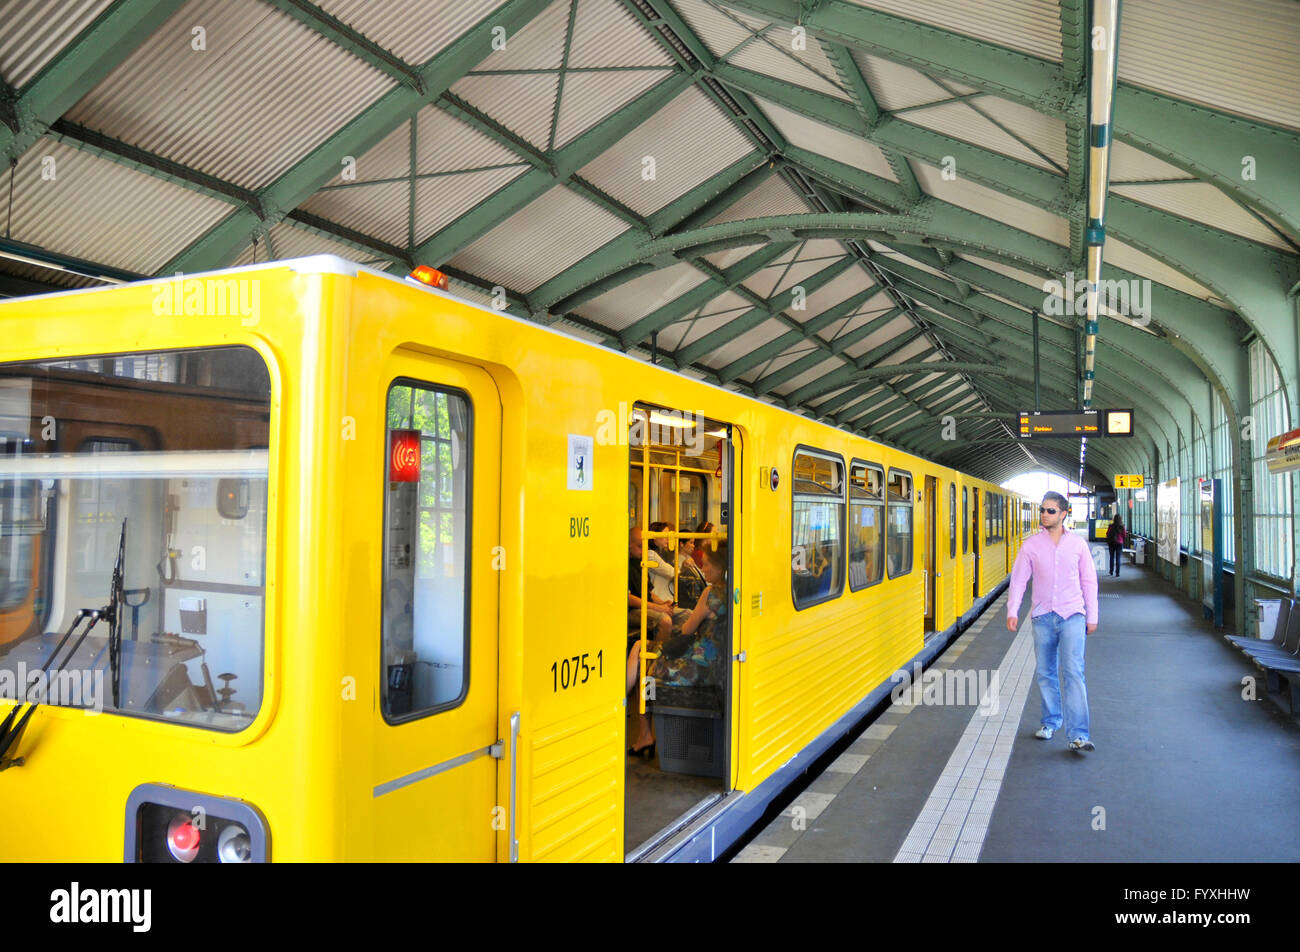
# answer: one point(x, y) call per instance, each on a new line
point(425, 634)
point(866, 524)
point(817, 551)
point(952, 520)
point(965, 520)
point(899, 544)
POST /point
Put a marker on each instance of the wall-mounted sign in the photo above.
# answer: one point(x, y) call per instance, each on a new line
point(1283, 453)
point(1129, 481)
point(1075, 423)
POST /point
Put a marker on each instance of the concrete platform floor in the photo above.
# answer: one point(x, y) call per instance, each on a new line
point(1186, 769)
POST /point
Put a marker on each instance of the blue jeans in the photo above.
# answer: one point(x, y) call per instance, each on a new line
point(1059, 642)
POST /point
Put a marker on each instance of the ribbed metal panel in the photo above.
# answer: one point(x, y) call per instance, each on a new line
point(290, 241)
point(1139, 262)
point(851, 282)
point(1044, 133)
point(896, 86)
point(768, 56)
point(445, 144)
point(104, 212)
point(725, 259)
point(875, 306)
point(58, 280)
point(744, 345)
point(1128, 164)
point(783, 359)
point(962, 122)
point(718, 313)
point(825, 140)
point(690, 140)
point(718, 31)
point(605, 33)
point(523, 103)
point(391, 158)
point(992, 204)
point(757, 24)
point(1030, 26)
point(381, 211)
point(814, 256)
point(441, 200)
point(1204, 203)
point(540, 240)
point(1025, 277)
point(246, 108)
point(539, 44)
point(1239, 57)
point(629, 302)
point(32, 32)
point(773, 197)
point(588, 98)
point(829, 365)
point(408, 28)
point(899, 325)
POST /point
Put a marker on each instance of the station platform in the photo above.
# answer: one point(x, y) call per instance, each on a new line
point(1185, 768)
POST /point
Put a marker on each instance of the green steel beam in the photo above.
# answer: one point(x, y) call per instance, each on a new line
point(1208, 143)
point(783, 343)
point(356, 43)
point(225, 240)
point(77, 69)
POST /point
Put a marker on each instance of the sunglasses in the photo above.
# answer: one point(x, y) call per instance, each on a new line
point(1050, 512)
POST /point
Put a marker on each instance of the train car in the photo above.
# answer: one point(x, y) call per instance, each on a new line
point(306, 562)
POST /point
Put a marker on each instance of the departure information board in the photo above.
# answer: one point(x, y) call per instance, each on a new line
point(1075, 423)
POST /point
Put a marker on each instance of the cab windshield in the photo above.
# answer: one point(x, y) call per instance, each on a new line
point(157, 463)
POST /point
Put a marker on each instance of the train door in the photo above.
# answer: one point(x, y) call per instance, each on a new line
point(931, 548)
point(436, 783)
point(682, 506)
point(975, 541)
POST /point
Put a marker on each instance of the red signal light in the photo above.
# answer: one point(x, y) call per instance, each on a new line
point(430, 276)
point(404, 456)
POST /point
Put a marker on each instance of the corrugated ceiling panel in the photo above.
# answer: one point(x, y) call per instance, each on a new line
point(776, 363)
point(445, 144)
point(381, 211)
point(539, 44)
point(56, 279)
point(851, 282)
point(1030, 26)
point(522, 102)
point(1139, 262)
point(1043, 132)
point(566, 225)
point(587, 98)
point(1129, 164)
point(391, 158)
point(773, 197)
point(746, 344)
point(905, 258)
point(823, 139)
point(959, 120)
point(605, 33)
point(98, 210)
point(690, 140)
point(827, 366)
point(683, 332)
point(440, 200)
point(1238, 57)
point(1034, 281)
point(899, 325)
point(290, 241)
point(245, 108)
point(633, 300)
point(769, 57)
point(1204, 203)
point(725, 259)
point(35, 31)
point(874, 307)
point(719, 32)
point(992, 204)
point(896, 86)
point(753, 22)
point(405, 28)
point(775, 279)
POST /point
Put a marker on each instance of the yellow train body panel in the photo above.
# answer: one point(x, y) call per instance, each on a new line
point(538, 769)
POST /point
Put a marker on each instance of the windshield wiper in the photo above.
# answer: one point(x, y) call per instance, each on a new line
point(12, 727)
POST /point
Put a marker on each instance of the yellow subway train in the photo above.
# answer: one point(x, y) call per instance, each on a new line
point(304, 562)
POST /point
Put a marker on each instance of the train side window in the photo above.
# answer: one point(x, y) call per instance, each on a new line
point(427, 506)
point(965, 520)
point(866, 524)
point(899, 544)
point(952, 520)
point(817, 548)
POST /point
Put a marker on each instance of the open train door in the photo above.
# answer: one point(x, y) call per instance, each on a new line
point(436, 727)
point(931, 549)
point(975, 541)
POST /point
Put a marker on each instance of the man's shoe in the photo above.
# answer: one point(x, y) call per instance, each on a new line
point(1044, 733)
point(1081, 744)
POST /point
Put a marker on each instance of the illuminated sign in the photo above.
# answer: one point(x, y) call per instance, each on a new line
point(404, 456)
point(1129, 481)
point(1075, 423)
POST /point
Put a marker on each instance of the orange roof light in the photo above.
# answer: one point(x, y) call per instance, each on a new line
point(430, 276)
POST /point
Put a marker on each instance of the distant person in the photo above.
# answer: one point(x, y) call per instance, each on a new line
point(1115, 538)
point(1064, 612)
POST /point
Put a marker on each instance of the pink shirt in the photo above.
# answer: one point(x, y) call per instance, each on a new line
point(1065, 578)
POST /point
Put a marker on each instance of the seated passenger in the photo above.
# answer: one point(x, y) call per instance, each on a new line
point(697, 657)
point(661, 571)
point(690, 580)
point(702, 544)
point(658, 611)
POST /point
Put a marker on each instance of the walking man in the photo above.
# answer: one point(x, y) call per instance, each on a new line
point(1065, 605)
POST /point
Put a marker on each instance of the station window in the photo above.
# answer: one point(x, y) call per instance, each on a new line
point(965, 520)
point(952, 520)
point(899, 545)
point(426, 550)
point(866, 524)
point(817, 550)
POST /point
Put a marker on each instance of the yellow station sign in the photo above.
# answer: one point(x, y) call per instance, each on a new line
point(1129, 481)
